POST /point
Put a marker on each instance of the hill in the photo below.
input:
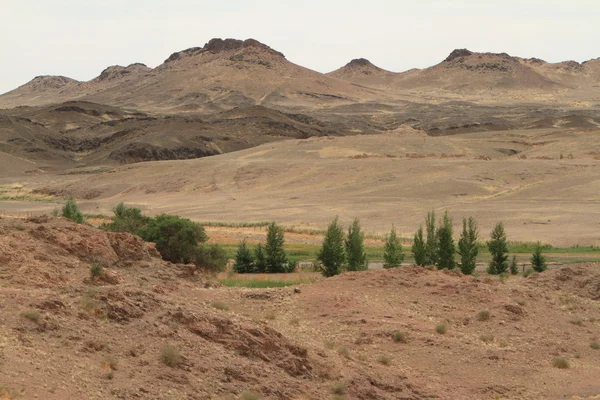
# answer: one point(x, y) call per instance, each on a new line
point(361, 71)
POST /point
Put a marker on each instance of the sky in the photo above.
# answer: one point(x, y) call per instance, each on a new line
point(79, 38)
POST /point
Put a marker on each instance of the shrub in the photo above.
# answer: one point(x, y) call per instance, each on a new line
point(260, 264)
point(400, 337)
point(332, 254)
point(446, 247)
point(467, 246)
point(343, 351)
point(170, 356)
point(249, 396)
point(219, 305)
point(127, 219)
point(338, 388)
point(33, 315)
point(431, 245)
point(514, 267)
point(561, 363)
point(528, 272)
point(393, 254)
point(487, 338)
point(499, 250)
point(441, 329)
point(418, 248)
point(538, 261)
point(212, 258)
point(385, 360)
point(577, 321)
point(295, 321)
point(96, 270)
point(483, 315)
point(244, 262)
point(355, 248)
point(176, 238)
point(275, 259)
point(71, 211)
point(595, 345)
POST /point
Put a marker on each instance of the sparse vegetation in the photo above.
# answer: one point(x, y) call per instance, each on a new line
point(343, 351)
point(249, 396)
point(499, 250)
point(560, 363)
point(528, 272)
point(32, 315)
point(483, 315)
point(514, 267)
point(332, 254)
point(441, 329)
point(355, 248)
point(71, 211)
point(219, 305)
point(96, 270)
point(467, 246)
point(170, 356)
point(338, 388)
point(393, 255)
point(400, 337)
point(262, 283)
point(577, 321)
point(595, 345)
point(538, 261)
point(385, 360)
point(295, 321)
point(487, 338)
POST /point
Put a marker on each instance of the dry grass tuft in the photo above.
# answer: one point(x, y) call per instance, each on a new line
point(170, 356)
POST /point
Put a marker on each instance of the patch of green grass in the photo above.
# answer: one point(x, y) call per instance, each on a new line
point(32, 315)
point(170, 356)
point(384, 360)
point(400, 337)
point(261, 283)
point(219, 305)
point(441, 329)
point(561, 363)
point(483, 315)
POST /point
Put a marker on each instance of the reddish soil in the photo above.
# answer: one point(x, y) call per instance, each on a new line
point(64, 335)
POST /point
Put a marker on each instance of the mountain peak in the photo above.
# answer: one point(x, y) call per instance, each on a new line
point(360, 63)
point(218, 45)
point(459, 53)
point(117, 71)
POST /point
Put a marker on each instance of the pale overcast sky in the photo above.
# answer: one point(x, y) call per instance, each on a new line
point(79, 38)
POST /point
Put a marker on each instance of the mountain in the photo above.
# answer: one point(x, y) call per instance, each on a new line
point(361, 71)
point(220, 75)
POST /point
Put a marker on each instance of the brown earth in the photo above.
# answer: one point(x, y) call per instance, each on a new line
point(64, 335)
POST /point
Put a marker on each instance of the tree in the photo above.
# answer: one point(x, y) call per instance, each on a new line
point(126, 219)
point(446, 247)
point(72, 211)
point(332, 254)
point(431, 245)
point(538, 261)
point(259, 255)
point(176, 238)
point(212, 258)
point(355, 248)
point(393, 254)
point(467, 246)
point(275, 258)
point(498, 247)
point(244, 262)
point(418, 248)
point(514, 267)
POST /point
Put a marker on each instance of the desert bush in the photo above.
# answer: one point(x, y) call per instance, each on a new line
point(561, 363)
point(244, 262)
point(483, 315)
point(538, 261)
point(249, 396)
point(126, 219)
point(431, 244)
point(498, 248)
point(446, 247)
point(487, 338)
point(577, 321)
point(385, 360)
point(332, 253)
point(211, 257)
point(71, 211)
point(595, 345)
point(176, 238)
point(96, 270)
point(400, 337)
point(338, 388)
point(514, 267)
point(170, 356)
point(343, 351)
point(33, 315)
point(295, 321)
point(393, 254)
point(441, 329)
point(275, 258)
point(355, 248)
point(418, 248)
point(219, 305)
point(467, 246)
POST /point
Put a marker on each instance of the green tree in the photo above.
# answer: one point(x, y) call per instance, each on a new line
point(176, 238)
point(514, 267)
point(393, 254)
point(275, 258)
point(212, 258)
point(431, 245)
point(332, 254)
point(260, 265)
point(71, 211)
point(538, 261)
point(244, 262)
point(467, 246)
point(418, 248)
point(126, 219)
point(498, 247)
point(355, 248)
point(446, 247)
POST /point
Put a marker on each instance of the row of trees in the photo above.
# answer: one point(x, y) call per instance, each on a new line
point(270, 258)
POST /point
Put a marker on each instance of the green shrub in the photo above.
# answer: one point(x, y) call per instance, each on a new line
point(244, 262)
point(538, 261)
point(483, 315)
point(211, 258)
point(441, 329)
point(431, 243)
point(400, 337)
point(467, 246)
point(393, 255)
point(355, 248)
point(418, 248)
point(260, 264)
point(332, 254)
point(275, 257)
point(498, 248)
point(170, 356)
point(127, 219)
point(71, 211)
point(561, 363)
point(176, 238)
point(446, 247)
point(338, 388)
point(96, 270)
point(514, 267)
point(595, 345)
point(33, 315)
